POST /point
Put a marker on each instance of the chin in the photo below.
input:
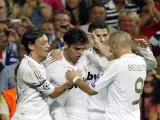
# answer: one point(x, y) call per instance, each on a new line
point(44, 58)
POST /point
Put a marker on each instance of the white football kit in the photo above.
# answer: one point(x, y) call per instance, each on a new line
point(32, 89)
point(72, 104)
point(124, 79)
point(95, 64)
point(96, 104)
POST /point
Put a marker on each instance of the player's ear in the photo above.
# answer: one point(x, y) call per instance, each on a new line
point(65, 45)
point(31, 47)
point(115, 44)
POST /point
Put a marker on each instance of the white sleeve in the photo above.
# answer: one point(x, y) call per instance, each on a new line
point(37, 80)
point(46, 88)
point(106, 77)
point(148, 57)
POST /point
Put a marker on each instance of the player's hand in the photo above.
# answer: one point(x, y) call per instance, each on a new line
point(56, 54)
point(68, 84)
point(70, 75)
point(93, 39)
point(140, 43)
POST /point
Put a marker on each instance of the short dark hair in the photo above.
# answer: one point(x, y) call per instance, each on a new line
point(97, 25)
point(97, 5)
point(75, 36)
point(30, 37)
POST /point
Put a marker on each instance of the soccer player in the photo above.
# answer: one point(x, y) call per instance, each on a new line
point(71, 105)
point(123, 78)
point(97, 58)
point(32, 86)
point(96, 61)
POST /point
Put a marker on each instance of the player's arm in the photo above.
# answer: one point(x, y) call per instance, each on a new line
point(103, 48)
point(146, 53)
point(48, 89)
point(60, 90)
point(74, 76)
point(107, 76)
point(38, 81)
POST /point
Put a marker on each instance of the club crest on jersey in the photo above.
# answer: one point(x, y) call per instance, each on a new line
point(46, 86)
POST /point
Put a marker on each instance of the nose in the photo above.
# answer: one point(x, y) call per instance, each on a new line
point(102, 39)
point(80, 52)
point(48, 46)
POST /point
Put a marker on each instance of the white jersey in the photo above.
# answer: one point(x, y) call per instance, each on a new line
point(124, 79)
point(95, 65)
point(32, 89)
point(74, 101)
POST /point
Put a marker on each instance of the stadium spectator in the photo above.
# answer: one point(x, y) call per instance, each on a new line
point(150, 19)
point(113, 9)
point(36, 10)
point(97, 14)
point(8, 50)
point(48, 29)
point(55, 4)
point(62, 23)
point(78, 10)
point(3, 10)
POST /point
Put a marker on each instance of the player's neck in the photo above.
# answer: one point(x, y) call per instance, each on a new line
point(123, 52)
point(70, 61)
point(35, 57)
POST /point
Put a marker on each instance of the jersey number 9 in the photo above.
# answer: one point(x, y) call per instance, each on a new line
point(138, 90)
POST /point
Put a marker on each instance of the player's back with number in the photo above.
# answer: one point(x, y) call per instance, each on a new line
point(126, 88)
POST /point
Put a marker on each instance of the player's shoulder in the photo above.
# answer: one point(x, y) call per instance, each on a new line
point(129, 59)
point(112, 64)
point(50, 61)
point(24, 65)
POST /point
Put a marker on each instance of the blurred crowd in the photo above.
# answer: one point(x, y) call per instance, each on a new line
point(139, 18)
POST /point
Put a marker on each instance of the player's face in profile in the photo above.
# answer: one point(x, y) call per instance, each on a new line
point(102, 34)
point(42, 47)
point(76, 51)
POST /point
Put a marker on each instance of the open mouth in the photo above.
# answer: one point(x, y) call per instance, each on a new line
point(78, 57)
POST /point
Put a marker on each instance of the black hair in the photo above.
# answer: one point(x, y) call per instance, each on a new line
point(30, 37)
point(75, 36)
point(97, 5)
point(83, 15)
point(97, 25)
